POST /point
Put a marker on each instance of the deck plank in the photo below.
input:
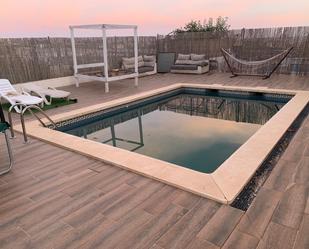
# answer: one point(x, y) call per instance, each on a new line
point(201, 244)
point(302, 239)
point(217, 230)
point(186, 229)
point(278, 237)
point(146, 235)
point(281, 175)
point(241, 240)
point(117, 231)
point(255, 222)
point(301, 175)
point(135, 198)
point(292, 206)
point(159, 201)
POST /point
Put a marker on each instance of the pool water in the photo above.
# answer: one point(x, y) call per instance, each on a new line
point(196, 130)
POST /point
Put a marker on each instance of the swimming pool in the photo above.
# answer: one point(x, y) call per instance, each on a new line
point(247, 122)
point(193, 128)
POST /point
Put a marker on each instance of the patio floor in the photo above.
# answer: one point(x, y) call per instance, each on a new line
point(54, 198)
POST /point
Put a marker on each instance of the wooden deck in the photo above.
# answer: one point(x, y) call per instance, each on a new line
point(54, 198)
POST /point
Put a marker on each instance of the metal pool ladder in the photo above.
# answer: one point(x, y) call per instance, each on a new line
point(24, 109)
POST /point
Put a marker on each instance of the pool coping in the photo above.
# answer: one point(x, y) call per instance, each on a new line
point(223, 185)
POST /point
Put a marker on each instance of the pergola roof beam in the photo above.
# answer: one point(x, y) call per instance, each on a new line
point(106, 26)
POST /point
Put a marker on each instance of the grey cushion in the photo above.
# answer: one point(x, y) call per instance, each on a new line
point(197, 57)
point(199, 63)
point(149, 58)
point(183, 62)
point(128, 63)
point(130, 66)
point(184, 67)
point(130, 60)
point(190, 62)
point(183, 57)
point(141, 69)
point(149, 63)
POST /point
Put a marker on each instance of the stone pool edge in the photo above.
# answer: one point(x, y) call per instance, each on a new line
point(223, 185)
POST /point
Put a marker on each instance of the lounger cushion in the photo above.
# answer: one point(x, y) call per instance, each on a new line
point(183, 57)
point(184, 67)
point(198, 57)
point(45, 90)
point(27, 100)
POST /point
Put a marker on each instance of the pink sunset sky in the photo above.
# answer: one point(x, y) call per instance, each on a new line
point(38, 18)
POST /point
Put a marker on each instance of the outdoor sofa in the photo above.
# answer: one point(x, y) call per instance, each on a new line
point(146, 65)
point(191, 64)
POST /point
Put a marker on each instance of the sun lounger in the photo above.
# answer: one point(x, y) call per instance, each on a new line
point(8, 93)
point(46, 93)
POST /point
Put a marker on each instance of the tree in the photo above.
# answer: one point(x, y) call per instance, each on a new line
point(221, 25)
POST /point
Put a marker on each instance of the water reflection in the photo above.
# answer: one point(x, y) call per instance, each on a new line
point(255, 112)
point(198, 132)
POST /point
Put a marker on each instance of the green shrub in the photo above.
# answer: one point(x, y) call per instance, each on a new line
point(220, 25)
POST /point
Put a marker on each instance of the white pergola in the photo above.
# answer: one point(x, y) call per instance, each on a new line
point(106, 79)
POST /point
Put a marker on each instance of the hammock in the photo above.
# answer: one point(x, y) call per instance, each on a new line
point(280, 57)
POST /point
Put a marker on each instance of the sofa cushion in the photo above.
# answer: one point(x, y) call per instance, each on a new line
point(141, 69)
point(130, 60)
point(202, 63)
point(183, 62)
point(183, 57)
point(130, 66)
point(184, 67)
point(191, 62)
point(149, 58)
point(197, 57)
point(129, 63)
point(149, 63)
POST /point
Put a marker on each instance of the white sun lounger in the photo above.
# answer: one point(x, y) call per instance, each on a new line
point(45, 91)
point(8, 93)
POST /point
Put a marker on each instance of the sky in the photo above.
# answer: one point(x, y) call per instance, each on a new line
point(41, 18)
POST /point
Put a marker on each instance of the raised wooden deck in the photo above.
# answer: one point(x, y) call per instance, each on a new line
point(55, 198)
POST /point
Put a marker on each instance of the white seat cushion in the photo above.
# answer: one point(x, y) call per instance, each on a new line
point(42, 90)
point(27, 100)
point(56, 93)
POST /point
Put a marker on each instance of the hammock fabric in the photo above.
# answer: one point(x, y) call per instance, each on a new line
point(280, 57)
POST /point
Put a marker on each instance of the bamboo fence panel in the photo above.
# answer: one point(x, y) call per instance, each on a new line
point(30, 59)
point(246, 44)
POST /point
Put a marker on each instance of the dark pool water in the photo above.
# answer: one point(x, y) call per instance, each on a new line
point(196, 131)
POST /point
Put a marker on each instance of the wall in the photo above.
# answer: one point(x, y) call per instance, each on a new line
point(32, 59)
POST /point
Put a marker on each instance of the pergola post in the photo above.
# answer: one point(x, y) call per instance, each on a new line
point(74, 56)
point(105, 60)
point(135, 56)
